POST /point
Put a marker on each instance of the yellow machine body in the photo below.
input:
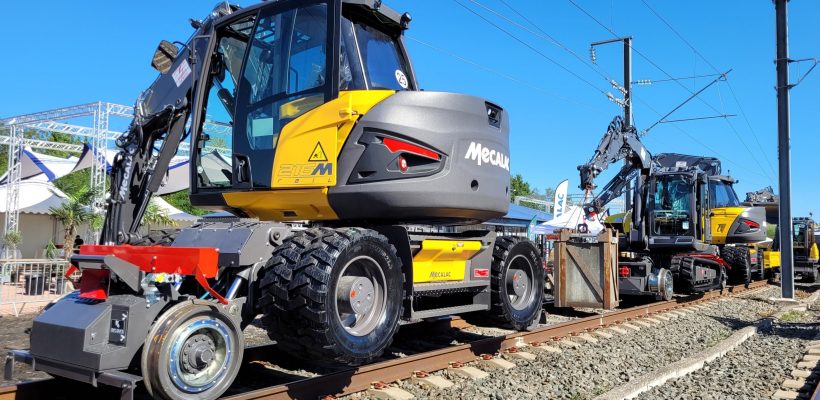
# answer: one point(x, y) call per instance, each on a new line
point(443, 260)
point(722, 221)
point(771, 259)
point(308, 144)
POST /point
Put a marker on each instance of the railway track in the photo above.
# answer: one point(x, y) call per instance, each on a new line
point(347, 380)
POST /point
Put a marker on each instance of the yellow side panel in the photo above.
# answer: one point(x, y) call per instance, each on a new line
point(308, 147)
point(813, 254)
point(771, 259)
point(443, 260)
point(722, 221)
point(361, 101)
point(273, 205)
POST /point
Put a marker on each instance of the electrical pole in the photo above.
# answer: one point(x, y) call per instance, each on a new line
point(784, 151)
point(628, 107)
point(626, 89)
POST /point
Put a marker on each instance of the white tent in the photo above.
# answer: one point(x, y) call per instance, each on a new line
point(173, 212)
point(571, 218)
point(41, 165)
point(37, 194)
point(87, 158)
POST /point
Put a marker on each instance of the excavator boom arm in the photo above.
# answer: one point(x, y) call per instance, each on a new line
point(619, 143)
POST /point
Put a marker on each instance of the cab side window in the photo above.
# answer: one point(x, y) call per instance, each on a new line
point(286, 63)
point(283, 77)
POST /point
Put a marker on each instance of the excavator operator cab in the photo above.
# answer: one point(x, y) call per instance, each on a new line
point(675, 205)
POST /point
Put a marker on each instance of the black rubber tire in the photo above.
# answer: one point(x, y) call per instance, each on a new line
point(163, 237)
point(813, 277)
point(159, 343)
point(506, 250)
point(740, 258)
point(758, 271)
point(298, 294)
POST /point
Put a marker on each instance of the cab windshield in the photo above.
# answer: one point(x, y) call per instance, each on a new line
point(671, 209)
point(799, 235)
point(379, 64)
point(723, 194)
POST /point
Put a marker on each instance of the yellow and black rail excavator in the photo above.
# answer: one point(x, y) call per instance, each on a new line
point(736, 229)
point(804, 245)
point(669, 240)
point(327, 124)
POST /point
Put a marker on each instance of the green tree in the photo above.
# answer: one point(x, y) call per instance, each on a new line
point(519, 187)
point(770, 230)
point(73, 213)
point(181, 201)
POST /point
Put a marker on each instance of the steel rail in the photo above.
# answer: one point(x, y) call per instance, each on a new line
point(357, 379)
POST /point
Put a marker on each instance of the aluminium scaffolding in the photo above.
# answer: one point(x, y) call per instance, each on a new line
point(100, 138)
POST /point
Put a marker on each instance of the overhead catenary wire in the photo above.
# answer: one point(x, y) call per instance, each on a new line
point(722, 157)
point(754, 134)
point(643, 56)
point(507, 77)
point(530, 47)
point(679, 83)
point(548, 38)
point(679, 79)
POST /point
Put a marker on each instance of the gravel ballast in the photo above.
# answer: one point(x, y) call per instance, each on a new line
point(594, 368)
point(754, 370)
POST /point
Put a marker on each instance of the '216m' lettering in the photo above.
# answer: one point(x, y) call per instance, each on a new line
point(310, 169)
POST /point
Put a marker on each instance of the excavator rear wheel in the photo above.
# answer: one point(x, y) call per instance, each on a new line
point(515, 284)
point(335, 294)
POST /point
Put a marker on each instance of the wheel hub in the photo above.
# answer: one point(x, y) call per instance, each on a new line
point(198, 352)
point(356, 294)
point(360, 296)
point(520, 283)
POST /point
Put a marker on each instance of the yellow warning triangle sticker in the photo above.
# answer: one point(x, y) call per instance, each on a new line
point(318, 153)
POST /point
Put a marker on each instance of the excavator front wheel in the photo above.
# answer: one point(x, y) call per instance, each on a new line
point(192, 352)
point(335, 294)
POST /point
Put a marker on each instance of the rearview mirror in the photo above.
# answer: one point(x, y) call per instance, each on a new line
point(164, 56)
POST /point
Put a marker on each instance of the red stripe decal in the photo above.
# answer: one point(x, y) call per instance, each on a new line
point(395, 145)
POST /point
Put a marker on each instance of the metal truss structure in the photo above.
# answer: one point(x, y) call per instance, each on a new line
point(100, 137)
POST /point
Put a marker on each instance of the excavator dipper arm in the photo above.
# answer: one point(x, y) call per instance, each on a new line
point(619, 143)
point(153, 138)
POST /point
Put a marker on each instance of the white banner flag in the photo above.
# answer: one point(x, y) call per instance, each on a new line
point(559, 205)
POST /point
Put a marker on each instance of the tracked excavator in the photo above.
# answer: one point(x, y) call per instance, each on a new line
point(668, 242)
point(327, 125)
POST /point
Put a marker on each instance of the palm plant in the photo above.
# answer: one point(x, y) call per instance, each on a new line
point(73, 213)
point(156, 216)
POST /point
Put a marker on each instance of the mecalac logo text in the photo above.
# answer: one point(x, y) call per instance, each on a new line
point(440, 274)
point(487, 156)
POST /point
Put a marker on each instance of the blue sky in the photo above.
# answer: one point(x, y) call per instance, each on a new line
point(101, 51)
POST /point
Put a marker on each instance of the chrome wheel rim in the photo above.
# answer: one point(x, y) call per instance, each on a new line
point(200, 355)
